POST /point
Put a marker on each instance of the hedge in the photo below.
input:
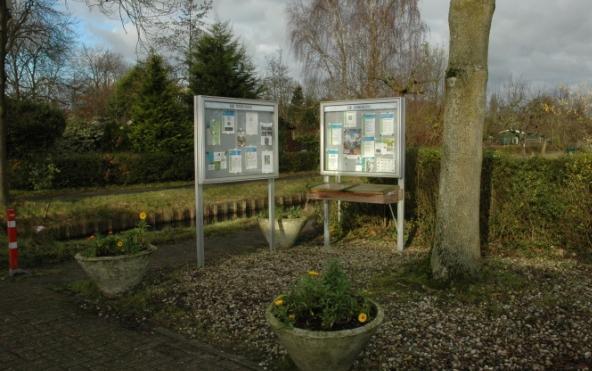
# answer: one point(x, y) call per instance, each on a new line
point(524, 201)
point(98, 169)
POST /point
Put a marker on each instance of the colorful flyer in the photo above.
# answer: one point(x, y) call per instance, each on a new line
point(252, 123)
point(332, 159)
point(220, 158)
point(266, 133)
point(369, 124)
point(216, 161)
point(387, 123)
point(335, 133)
point(350, 119)
point(368, 147)
point(386, 147)
point(267, 162)
point(251, 158)
point(229, 120)
point(213, 132)
point(210, 160)
point(235, 163)
point(352, 144)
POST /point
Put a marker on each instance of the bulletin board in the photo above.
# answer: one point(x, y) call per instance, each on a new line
point(363, 138)
point(237, 139)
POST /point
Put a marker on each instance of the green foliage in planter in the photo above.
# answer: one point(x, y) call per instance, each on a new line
point(324, 302)
point(128, 243)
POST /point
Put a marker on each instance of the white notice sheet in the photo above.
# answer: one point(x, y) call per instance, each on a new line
point(251, 158)
point(350, 119)
point(387, 121)
point(369, 124)
point(229, 120)
point(335, 133)
point(266, 133)
point(332, 159)
point(267, 162)
point(252, 126)
point(235, 163)
point(368, 147)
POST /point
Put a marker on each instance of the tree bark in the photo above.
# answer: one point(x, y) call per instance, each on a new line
point(4, 195)
point(456, 251)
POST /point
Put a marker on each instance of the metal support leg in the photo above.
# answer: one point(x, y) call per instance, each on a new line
point(326, 233)
point(199, 225)
point(401, 216)
point(326, 223)
point(271, 204)
point(338, 180)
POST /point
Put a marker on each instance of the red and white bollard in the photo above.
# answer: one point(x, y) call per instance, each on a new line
point(12, 244)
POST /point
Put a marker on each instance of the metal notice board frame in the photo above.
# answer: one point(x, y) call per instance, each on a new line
point(363, 138)
point(235, 140)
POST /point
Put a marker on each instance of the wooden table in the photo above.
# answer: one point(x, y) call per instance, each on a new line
point(381, 194)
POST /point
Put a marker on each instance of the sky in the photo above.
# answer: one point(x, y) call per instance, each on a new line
point(544, 43)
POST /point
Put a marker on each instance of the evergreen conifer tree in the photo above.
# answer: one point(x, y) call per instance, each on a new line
point(220, 66)
point(158, 123)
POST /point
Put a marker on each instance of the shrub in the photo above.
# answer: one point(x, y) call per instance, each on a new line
point(33, 127)
point(98, 169)
point(324, 302)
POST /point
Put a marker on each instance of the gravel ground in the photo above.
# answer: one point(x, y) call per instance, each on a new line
point(526, 313)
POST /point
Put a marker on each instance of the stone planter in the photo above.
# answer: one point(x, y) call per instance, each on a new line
point(115, 275)
point(324, 350)
point(286, 230)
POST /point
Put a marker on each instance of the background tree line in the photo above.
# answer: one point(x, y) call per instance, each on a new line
point(69, 98)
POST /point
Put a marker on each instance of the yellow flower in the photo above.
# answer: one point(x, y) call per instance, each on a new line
point(292, 317)
point(313, 273)
point(143, 215)
point(362, 317)
point(279, 301)
point(120, 244)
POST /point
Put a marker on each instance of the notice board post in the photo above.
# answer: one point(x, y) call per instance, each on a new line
point(235, 140)
point(363, 138)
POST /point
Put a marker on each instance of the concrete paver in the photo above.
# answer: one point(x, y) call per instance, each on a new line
point(41, 328)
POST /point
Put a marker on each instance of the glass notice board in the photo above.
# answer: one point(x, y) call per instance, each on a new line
point(363, 138)
point(236, 139)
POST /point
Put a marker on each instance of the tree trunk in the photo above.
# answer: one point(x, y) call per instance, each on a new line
point(4, 15)
point(456, 251)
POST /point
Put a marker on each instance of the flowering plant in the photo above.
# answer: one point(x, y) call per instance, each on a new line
point(130, 242)
point(324, 302)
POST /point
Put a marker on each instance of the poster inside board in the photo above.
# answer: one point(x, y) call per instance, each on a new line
point(236, 139)
point(363, 138)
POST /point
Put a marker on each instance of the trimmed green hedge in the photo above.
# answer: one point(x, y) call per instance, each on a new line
point(524, 201)
point(97, 169)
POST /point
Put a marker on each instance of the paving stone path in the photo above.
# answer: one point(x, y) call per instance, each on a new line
point(43, 329)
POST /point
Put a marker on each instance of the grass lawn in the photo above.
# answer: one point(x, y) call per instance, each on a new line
point(526, 312)
point(70, 207)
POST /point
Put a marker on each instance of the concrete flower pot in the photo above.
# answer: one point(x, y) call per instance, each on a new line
point(286, 230)
point(324, 350)
point(115, 275)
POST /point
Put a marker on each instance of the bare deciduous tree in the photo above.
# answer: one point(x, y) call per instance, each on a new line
point(359, 48)
point(38, 45)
